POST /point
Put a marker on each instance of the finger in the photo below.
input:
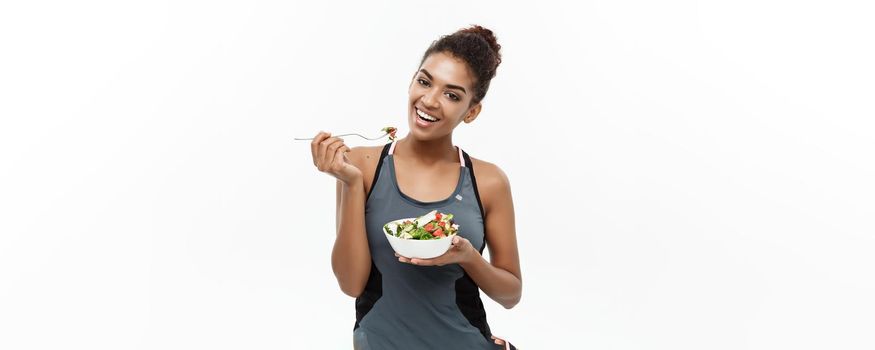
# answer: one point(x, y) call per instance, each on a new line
point(457, 243)
point(314, 145)
point(498, 340)
point(324, 155)
point(322, 146)
point(344, 154)
point(427, 262)
point(332, 154)
point(339, 157)
point(410, 261)
point(318, 146)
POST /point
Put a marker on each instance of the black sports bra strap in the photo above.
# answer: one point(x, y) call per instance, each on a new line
point(385, 150)
point(377, 171)
point(470, 166)
point(468, 161)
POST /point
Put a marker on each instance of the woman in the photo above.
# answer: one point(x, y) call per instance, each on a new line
point(404, 303)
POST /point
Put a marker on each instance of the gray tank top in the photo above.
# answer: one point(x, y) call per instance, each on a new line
point(406, 306)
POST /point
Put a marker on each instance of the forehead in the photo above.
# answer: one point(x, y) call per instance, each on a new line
point(447, 69)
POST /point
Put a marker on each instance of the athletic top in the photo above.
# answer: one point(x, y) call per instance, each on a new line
point(408, 306)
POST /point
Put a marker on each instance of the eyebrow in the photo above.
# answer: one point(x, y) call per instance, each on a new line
point(451, 86)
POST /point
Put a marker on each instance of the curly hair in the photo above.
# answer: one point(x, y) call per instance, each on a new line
point(476, 46)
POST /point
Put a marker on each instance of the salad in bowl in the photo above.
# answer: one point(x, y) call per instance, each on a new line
point(425, 237)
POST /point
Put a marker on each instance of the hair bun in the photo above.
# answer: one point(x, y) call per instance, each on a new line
point(478, 48)
point(489, 37)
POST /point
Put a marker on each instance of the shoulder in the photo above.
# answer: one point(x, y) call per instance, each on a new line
point(365, 158)
point(488, 173)
point(492, 182)
point(362, 155)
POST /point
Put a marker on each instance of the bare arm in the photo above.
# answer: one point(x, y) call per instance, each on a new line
point(500, 278)
point(351, 257)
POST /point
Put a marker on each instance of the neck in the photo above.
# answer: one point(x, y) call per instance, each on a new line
point(430, 151)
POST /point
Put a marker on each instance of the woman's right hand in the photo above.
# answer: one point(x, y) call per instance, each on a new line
point(329, 156)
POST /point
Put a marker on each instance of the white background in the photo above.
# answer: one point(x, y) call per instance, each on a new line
point(686, 174)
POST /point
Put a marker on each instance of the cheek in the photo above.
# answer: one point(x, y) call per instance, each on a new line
point(413, 92)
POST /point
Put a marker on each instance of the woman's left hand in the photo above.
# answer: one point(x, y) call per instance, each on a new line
point(461, 251)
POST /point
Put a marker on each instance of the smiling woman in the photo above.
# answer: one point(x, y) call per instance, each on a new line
point(409, 303)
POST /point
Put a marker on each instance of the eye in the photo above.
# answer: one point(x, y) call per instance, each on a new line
point(453, 96)
point(422, 81)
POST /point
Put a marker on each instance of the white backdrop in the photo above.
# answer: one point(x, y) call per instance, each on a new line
point(686, 174)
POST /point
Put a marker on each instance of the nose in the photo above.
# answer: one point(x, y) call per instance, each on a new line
point(430, 100)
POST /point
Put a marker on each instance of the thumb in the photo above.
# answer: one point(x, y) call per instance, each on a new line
point(459, 243)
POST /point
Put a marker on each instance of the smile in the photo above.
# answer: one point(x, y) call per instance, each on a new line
point(422, 115)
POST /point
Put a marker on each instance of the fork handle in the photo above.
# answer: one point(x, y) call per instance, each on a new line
point(366, 138)
point(310, 138)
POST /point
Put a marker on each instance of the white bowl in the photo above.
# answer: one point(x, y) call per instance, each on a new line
point(416, 248)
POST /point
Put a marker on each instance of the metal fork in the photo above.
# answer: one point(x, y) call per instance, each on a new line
point(364, 137)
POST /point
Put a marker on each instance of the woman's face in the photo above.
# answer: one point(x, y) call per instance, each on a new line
point(442, 89)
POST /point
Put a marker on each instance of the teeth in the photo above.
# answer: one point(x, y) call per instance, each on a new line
point(425, 116)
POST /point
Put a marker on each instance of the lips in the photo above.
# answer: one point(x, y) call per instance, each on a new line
point(422, 123)
point(418, 110)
